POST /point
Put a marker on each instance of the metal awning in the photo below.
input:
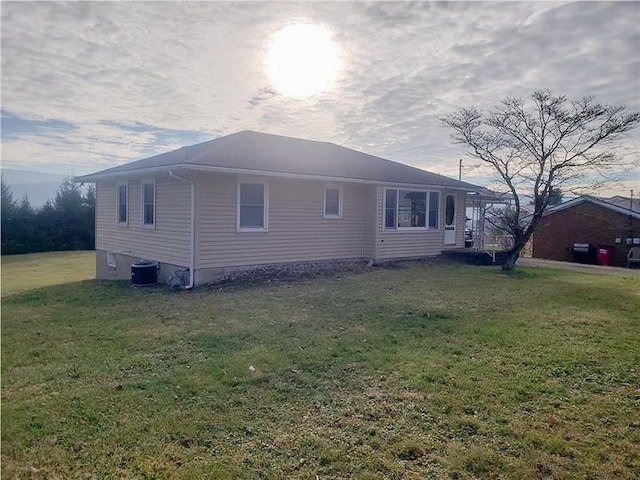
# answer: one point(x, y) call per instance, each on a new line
point(476, 205)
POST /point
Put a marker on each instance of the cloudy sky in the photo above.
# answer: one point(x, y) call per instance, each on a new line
point(89, 85)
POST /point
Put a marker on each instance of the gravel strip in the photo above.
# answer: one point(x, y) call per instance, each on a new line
point(288, 272)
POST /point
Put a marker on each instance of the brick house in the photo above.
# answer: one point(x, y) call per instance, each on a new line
point(614, 222)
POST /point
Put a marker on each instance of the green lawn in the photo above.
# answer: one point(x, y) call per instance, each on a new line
point(21, 273)
point(408, 372)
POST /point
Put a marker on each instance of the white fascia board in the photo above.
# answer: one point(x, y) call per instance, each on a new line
point(92, 178)
point(595, 201)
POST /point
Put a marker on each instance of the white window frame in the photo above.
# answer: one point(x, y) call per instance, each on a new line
point(426, 228)
point(118, 185)
point(333, 186)
point(438, 211)
point(155, 204)
point(111, 260)
point(265, 206)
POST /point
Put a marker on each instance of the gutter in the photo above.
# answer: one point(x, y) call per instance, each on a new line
point(192, 272)
point(244, 171)
point(596, 201)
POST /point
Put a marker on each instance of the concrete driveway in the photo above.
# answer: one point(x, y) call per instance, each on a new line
point(579, 267)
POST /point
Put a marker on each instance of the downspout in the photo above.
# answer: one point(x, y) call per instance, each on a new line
point(362, 230)
point(192, 273)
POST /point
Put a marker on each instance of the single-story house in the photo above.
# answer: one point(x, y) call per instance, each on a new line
point(252, 199)
point(612, 222)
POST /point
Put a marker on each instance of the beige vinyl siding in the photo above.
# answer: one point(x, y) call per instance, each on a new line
point(296, 232)
point(416, 243)
point(168, 242)
point(370, 223)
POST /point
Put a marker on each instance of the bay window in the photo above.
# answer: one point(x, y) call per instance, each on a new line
point(407, 209)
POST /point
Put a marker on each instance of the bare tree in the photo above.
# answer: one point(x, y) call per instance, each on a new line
point(542, 145)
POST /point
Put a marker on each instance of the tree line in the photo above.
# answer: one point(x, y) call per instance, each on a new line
point(65, 223)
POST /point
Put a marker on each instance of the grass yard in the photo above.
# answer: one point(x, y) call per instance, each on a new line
point(21, 273)
point(408, 372)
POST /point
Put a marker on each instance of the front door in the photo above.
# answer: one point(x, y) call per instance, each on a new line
point(450, 221)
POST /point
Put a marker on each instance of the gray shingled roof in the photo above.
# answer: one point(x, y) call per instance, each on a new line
point(261, 152)
point(623, 202)
point(618, 205)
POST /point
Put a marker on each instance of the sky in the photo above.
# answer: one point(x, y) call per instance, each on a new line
point(88, 85)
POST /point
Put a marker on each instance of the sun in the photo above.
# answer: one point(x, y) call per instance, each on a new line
point(303, 60)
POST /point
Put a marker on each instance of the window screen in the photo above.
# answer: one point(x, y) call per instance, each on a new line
point(251, 205)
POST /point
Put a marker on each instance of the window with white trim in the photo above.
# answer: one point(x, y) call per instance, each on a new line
point(123, 203)
point(332, 201)
point(252, 206)
point(148, 189)
point(434, 209)
point(410, 209)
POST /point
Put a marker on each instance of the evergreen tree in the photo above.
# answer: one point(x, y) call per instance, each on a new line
point(555, 196)
point(6, 220)
point(8, 203)
point(66, 223)
point(25, 228)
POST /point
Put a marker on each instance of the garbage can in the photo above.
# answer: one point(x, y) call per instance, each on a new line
point(584, 253)
point(468, 238)
point(144, 273)
point(604, 255)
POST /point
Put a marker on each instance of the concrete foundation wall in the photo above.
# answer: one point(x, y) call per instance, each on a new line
point(208, 275)
point(122, 269)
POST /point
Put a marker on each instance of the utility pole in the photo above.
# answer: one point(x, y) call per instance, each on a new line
point(460, 170)
point(630, 215)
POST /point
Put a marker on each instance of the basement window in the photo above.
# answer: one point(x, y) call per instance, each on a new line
point(111, 260)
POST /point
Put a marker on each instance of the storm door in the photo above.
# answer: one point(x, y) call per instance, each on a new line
point(450, 221)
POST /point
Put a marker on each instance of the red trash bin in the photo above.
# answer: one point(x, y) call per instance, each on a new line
point(604, 256)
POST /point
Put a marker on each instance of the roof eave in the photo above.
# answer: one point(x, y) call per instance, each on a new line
point(93, 178)
point(589, 199)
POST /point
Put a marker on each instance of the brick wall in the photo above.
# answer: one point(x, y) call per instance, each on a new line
point(584, 223)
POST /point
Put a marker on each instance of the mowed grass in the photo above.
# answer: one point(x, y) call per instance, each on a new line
point(415, 371)
point(21, 273)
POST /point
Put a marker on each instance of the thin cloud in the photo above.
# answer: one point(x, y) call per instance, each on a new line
point(127, 80)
